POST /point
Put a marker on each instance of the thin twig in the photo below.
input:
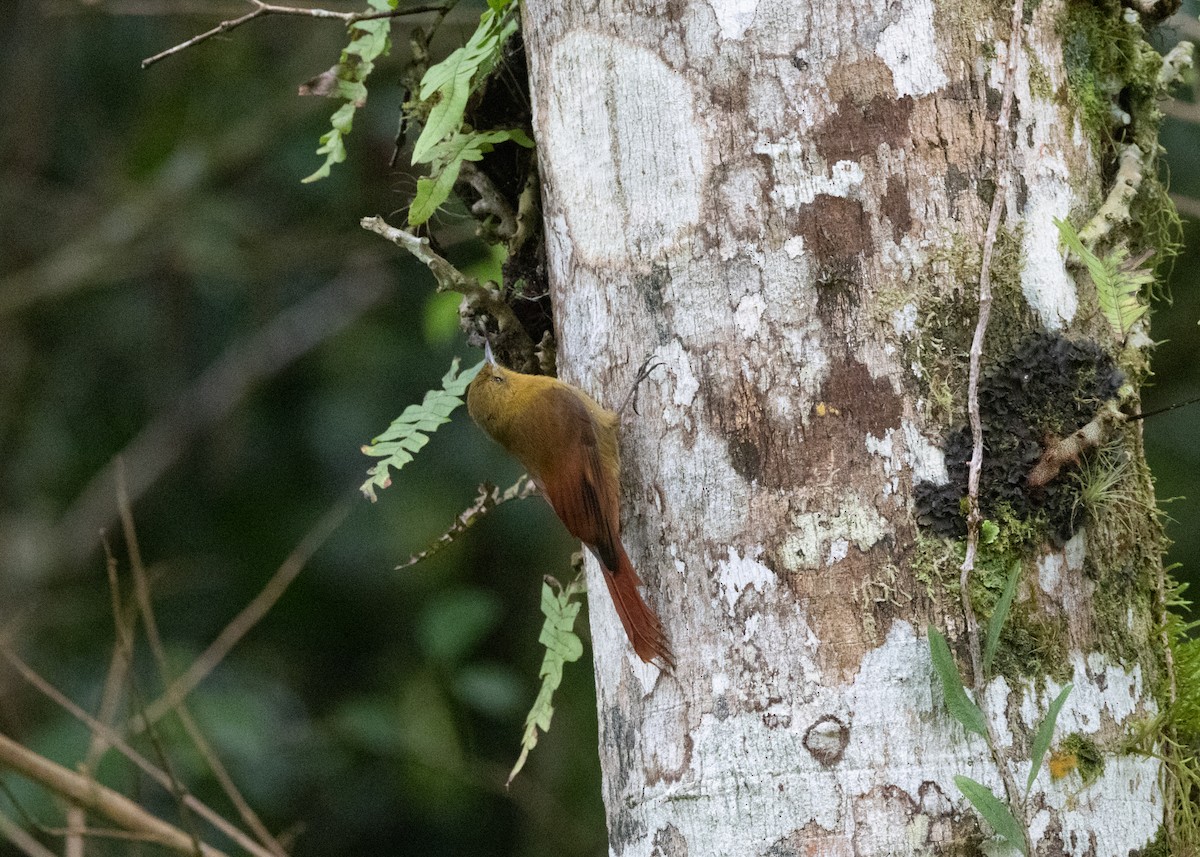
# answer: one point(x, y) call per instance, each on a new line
point(974, 517)
point(490, 202)
point(125, 643)
point(99, 799)
point(145, 607)
point(86, 832)
point(263, 9)
point(110, 699)
point(449, 278)
point(490, 496)
point(21, 840)
point(249, 616)
point(481, 298)
point(119, 744)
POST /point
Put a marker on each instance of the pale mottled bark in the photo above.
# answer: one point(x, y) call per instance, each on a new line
point(777, 199)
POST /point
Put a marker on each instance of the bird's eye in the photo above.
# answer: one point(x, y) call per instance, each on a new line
point(498, 379)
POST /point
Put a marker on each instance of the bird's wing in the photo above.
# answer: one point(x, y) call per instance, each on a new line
point(580, 488)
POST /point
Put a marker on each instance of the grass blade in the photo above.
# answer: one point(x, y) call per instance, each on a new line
point(959, 704)
point(994, 811)
point(1000, 616)
point(1045, 733)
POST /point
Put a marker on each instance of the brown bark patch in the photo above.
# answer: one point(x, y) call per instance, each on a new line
point(834, 458)
point(894, 205)
point(760, 449)
point(835, 596)
point(834, 228)
point(865, 81)
point(866, 404)
point(858, 129)
point(732, 96)
point(811, 840)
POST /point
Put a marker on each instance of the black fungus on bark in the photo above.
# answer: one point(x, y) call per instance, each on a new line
point(1048, 387)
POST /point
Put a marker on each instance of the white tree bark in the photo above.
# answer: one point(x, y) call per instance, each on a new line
point(774, 198)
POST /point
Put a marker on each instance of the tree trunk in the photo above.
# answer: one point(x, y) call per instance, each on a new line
point(786, 204)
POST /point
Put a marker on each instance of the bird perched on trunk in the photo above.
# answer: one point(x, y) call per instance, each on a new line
point(568, 443)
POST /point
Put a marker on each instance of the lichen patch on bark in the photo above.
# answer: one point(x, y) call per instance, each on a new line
point(628, 182)
point(908, 47)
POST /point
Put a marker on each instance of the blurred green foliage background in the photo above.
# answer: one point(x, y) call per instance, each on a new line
point(152, 227)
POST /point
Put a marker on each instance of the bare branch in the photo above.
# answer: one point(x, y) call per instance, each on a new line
point(449, 278)
point(118, 743)
point(250, 616)
point(263, 9)
point(145, 607)
point(974, 518)
point(1115, 209)
point(94, 797)
point(21, 840)
point(110, 699)
point(125, 644)
point(223, 27)
point(491, 201)
point(490, 496)
point(481, 299)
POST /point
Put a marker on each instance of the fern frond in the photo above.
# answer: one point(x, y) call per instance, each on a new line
point(410, 431)
point(563, 646)
point(1119, 280)
point(369, 40)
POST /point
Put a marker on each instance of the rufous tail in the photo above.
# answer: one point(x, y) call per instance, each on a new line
point(641, 624)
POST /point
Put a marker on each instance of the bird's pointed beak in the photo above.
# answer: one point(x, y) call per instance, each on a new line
point(487, 353)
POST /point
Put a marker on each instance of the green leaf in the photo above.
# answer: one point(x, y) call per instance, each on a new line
point(369, 40)
point(446, 159)
point(1000, 616)
point(446, 116)
point(431, 193)
point(562, 646)
point(958, 703)
point(988, 531)
point(457, 76)
point(1045, 734)
point(1118, 279)
point(407, 433)
point(994, 811)
point(332, 146)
